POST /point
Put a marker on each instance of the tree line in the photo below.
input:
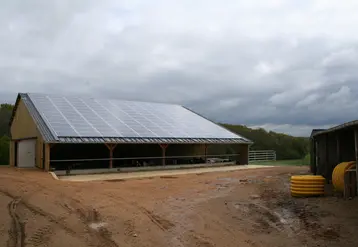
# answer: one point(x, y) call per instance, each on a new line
point(5, 115)
point(286, 146)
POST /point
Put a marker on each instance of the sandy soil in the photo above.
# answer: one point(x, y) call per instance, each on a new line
point(238, 208)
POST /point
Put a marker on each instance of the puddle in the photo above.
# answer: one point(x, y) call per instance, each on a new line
point(97, 225)
point(244, 180)
point(225, 179)
point(115, 180)
point(168, 177)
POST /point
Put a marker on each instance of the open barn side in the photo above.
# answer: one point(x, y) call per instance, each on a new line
point(101, 156)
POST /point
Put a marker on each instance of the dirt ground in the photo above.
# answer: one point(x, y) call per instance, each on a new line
point(237, 208)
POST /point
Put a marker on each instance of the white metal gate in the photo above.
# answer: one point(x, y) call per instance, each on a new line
point(261, 155)
point(26, 153)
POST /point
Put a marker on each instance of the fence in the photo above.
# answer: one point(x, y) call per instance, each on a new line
point(65, 164)
point(94, 163)
point(262, 155)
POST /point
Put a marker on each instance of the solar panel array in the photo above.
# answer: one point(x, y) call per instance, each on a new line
point(88, 117)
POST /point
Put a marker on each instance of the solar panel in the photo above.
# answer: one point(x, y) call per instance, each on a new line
point(88, 117)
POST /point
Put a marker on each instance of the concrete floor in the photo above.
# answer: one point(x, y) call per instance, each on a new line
point(148, 174)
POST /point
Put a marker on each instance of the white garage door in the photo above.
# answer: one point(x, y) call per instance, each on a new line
point(26, 153)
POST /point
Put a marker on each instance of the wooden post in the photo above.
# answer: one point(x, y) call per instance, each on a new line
point(350, 184)
point(317, 156)
point(12, 154)
point(110, 158)
point(205, 152)
point(243, 158)
point(327, 166)
point(312, 155)
point(47, 156)
point(164, 147)
point(356, 153)
point(111, 147)
point(338, 150)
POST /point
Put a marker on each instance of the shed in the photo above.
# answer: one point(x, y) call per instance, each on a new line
point(54, 131)
point(329, 147)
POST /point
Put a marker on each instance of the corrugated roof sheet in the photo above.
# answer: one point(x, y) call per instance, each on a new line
point(335, 128)
point(148, 140)
point(51, 137)
point(46, 133)
point(315, 131)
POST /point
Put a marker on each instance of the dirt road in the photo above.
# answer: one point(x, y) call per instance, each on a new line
point(239, 208)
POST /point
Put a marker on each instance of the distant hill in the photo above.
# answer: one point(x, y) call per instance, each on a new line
point(286, 146)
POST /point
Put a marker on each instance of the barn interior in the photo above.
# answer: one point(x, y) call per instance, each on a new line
point(99, 155)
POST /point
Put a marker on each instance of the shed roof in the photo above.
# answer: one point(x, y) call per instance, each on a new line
point(63, 119)
point(336, 128)
point(315, 131)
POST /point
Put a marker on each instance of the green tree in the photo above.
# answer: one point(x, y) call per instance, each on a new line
point(4, 150)
point(286, 146)
point(5, 115)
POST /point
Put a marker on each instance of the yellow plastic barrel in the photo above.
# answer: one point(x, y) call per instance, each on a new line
point(307, 185)
point(338, 174)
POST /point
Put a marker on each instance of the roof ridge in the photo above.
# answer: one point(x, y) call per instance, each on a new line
point(88, 96)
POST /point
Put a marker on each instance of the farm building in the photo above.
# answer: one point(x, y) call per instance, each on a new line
point(54, 132)
point(332, 146)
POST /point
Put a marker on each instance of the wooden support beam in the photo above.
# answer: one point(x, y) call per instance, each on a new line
point(350, 184)
point(205, 152)
point(338, 150)
point(356, 154)
point(327, 164)
point(110, 147)
point(110, 158)
point(47, 157)
point(12, 153)
point(313, 156)
point(317, 156)
point(164, 148)
point(243, 158)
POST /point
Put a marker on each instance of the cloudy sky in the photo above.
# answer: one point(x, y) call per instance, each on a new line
point(288, 66)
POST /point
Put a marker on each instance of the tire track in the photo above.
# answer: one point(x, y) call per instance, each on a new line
point(98, 236)
point(17, 229)
point(18, 225)
point(162, 223)
point(91, 219)
point(41, 236)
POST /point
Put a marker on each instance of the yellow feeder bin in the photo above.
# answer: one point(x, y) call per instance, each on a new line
point(338, 174)
point(307, 185)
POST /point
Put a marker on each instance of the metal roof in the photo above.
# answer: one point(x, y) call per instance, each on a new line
point(149, 140)
point(315, 131)
point(45, 132)
point(336, 128)
point(50, 136)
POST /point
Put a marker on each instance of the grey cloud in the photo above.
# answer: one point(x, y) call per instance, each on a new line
point(288, 66)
